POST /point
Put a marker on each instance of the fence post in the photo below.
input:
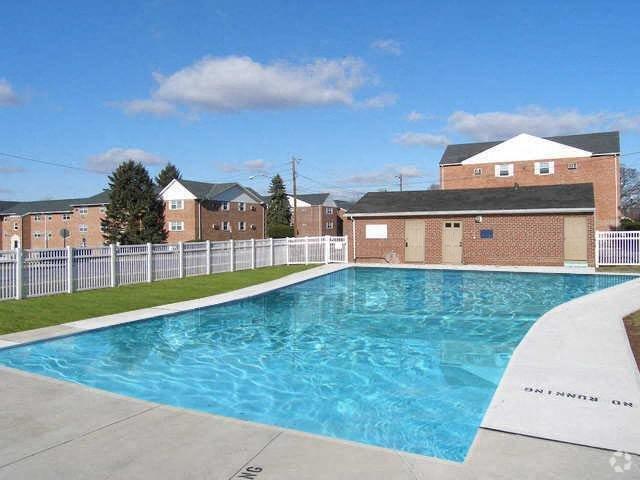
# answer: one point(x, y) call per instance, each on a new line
point(114, 266)
point(19, 270)
point(253, 254)
point(287, 251)
point(69, 269)
point(208, 267)
point(232, 255)
point(149, 262)
point(306, 250)
point(597, 262)
point(181, 259)
point(327, 249)
point(271, 251)
point(346, 250)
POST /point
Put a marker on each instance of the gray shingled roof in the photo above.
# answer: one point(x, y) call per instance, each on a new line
point(210, 191)
point(597, 143)
point(314, 198)
point(47, 206)
point(485, 199)
point(5, 204)
point(345, 205)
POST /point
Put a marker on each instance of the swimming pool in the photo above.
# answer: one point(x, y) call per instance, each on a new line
point(401, 358)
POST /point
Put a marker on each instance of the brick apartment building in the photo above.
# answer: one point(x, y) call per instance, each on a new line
point(193, 211)
point(41, 224)
point(530, 161)
point(524, 201)
point(319, 214)
point(212, 211)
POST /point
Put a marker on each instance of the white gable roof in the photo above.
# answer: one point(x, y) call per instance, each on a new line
point(525, 147)
point(176, 191)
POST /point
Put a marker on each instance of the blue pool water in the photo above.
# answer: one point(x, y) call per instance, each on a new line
point(401, 358)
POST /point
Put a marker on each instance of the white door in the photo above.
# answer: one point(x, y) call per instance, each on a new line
point(452, 243)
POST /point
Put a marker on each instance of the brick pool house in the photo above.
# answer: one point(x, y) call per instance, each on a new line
point(524, 201)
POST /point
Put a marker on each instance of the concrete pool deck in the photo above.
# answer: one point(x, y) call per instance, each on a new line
point(47, 425)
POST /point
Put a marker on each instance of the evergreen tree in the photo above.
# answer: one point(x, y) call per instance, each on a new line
point(278, 211)
point(168, 173)
point(135, 213)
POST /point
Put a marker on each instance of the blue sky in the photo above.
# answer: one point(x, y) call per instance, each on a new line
point(228, 90)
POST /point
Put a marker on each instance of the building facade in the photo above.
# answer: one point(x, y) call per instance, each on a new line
point(547, 226)
point(527, 160)
point(318, 215)
point(212, 211)
point(193, 211)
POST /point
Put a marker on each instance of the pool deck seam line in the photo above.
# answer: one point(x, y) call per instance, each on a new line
point(269, 442)
point(82, 435)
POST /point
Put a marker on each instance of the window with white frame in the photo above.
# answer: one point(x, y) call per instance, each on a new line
point(375, 231)
point(176, 205)
point(504, 170)
point(328, 210)
point(37, 234)
point(66, 217)
point(83, 227)
point(477, 171)
point(36, 218)
point(572, 166)
point(543, 168)
point(83, 210)
point(225, 206)
point(176, 226)
point(329, 225)
point(242, 206)
point(242, 226)
point(226, 226)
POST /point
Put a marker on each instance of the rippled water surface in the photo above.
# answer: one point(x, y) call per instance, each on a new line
point(401, 358)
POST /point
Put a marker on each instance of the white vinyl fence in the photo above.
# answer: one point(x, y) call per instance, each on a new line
point(33, 273)
point(617, 248)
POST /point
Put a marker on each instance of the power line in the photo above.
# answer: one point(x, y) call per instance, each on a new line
point(45, 162)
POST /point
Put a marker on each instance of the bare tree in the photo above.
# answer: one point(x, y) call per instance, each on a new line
point(629, 188)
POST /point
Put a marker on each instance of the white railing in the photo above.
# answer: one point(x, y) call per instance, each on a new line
point(32, 273)
point(617, 248)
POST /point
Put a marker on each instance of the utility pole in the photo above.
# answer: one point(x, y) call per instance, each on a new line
point(294, 160)
point(399, 177)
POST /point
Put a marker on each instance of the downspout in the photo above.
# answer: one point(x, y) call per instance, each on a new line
point(199, 220)
point(264, 220)
point(617, 180)
point(320, 220)
point(353, 230)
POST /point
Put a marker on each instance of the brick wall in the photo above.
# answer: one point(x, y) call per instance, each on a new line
point(517, 240)
point(213, 216)
point(188, 215)
point(312, 221)
point(602, 171)
point(8, 232)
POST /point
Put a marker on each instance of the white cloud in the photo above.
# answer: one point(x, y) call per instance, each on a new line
point(537, 121)
point(250, 166)
point(379, 101)
point(222, 84)
point(386, 175)
point(387, 45)
point(415, 116)
point(107, 161)
point(7, 95)
point(422, 139)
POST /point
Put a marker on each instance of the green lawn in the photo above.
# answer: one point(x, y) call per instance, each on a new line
point(18, 315)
